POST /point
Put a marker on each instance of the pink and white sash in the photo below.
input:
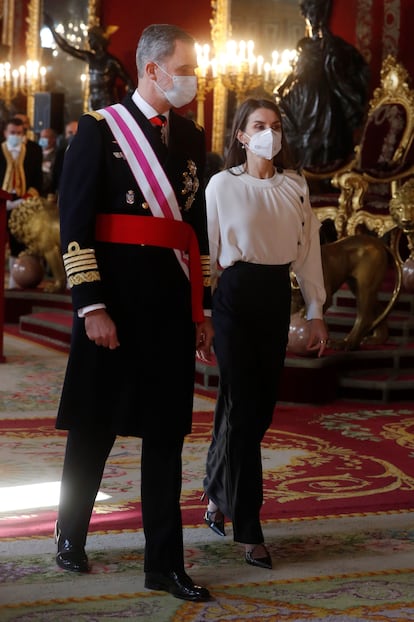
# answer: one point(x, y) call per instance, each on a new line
point(144, 164)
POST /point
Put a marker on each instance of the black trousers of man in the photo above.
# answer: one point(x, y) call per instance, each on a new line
point(161, 471)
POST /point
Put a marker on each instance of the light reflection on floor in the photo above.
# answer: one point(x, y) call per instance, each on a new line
point(33, 496)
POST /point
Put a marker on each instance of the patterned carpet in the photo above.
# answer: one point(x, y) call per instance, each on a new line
point(337, 516)
point(329, 570)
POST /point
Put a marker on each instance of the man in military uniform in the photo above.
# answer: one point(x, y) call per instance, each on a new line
point(137, 323)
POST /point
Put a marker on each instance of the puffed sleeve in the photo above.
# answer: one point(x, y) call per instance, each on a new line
point(213, 229)
point(308, 264)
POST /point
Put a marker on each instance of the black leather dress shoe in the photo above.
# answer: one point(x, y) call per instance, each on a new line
point(70, 556)
point(179, 584)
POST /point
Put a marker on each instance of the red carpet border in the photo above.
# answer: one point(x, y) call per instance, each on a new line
point(325, 461)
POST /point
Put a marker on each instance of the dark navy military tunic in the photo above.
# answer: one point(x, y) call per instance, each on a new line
point(144, 387)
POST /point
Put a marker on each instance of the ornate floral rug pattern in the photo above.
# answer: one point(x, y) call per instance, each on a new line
point(317, 462)
point(337, 515)
point(32, 589)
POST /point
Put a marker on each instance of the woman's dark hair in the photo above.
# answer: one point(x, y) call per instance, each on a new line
point(236, 153)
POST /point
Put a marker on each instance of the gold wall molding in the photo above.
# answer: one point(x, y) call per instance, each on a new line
point(220, 32)
point(34, 10)
point(7, 14)
point(94, 13)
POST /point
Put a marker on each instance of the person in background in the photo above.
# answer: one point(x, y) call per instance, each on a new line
point(20, 174)
point(32, 144)
point(133, 225)
point(48, 143)
point(260, 226)
point(71, 129)
point(26, 124)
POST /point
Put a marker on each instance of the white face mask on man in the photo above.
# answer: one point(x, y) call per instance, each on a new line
point(14, 141)
point(44, 142)
point(266, 143)
point(183, 91)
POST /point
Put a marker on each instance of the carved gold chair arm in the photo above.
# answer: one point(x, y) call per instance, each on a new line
point(329, 173)
point(389, 179)
point(326, 213)
point(353, 186)
point(380, 224)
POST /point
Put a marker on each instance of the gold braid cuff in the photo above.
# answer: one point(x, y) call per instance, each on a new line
point(205, 267)
point(80, 265)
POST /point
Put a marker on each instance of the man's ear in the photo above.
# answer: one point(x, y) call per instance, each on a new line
point(150, 68)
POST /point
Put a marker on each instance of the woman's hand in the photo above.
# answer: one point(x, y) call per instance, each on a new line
point(204, 339)
point(318, 337)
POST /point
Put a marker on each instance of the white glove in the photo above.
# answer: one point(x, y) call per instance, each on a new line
point(12, 204)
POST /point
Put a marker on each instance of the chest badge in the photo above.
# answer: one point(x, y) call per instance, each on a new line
point(130, 197)
point(191, 184)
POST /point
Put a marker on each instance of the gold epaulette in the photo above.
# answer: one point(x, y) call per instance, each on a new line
point(205, 268)
point(96, 115)
point(80, 265)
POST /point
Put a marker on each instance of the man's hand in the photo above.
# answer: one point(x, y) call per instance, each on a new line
point(101, 329)
point(204, 339)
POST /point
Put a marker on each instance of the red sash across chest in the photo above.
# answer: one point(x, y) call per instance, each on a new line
point(153, 231)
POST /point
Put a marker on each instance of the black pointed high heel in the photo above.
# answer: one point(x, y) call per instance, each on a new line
point(215, 520)
point(210, 518)
point(260, 562)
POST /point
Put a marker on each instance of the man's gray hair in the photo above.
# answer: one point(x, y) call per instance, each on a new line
point(157, 42)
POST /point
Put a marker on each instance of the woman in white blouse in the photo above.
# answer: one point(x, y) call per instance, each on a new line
point(261, 226)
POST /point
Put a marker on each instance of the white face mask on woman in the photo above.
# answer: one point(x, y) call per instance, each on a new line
point(183, 91)
point(266, 143)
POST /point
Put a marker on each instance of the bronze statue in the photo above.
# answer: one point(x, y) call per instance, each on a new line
point(35, 222)
point(402, 213)
point(323, 100)
point(104, 68)
point(361, 261)
point(402, 206)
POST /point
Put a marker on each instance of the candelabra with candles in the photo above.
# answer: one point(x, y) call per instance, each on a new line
point(206, 79)
point(240, 70)
point(26, 80)
point(276, 72)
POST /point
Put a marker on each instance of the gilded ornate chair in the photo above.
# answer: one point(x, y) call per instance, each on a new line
point(384, 155)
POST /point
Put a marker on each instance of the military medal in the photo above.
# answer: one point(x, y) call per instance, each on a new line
point(130, 197)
